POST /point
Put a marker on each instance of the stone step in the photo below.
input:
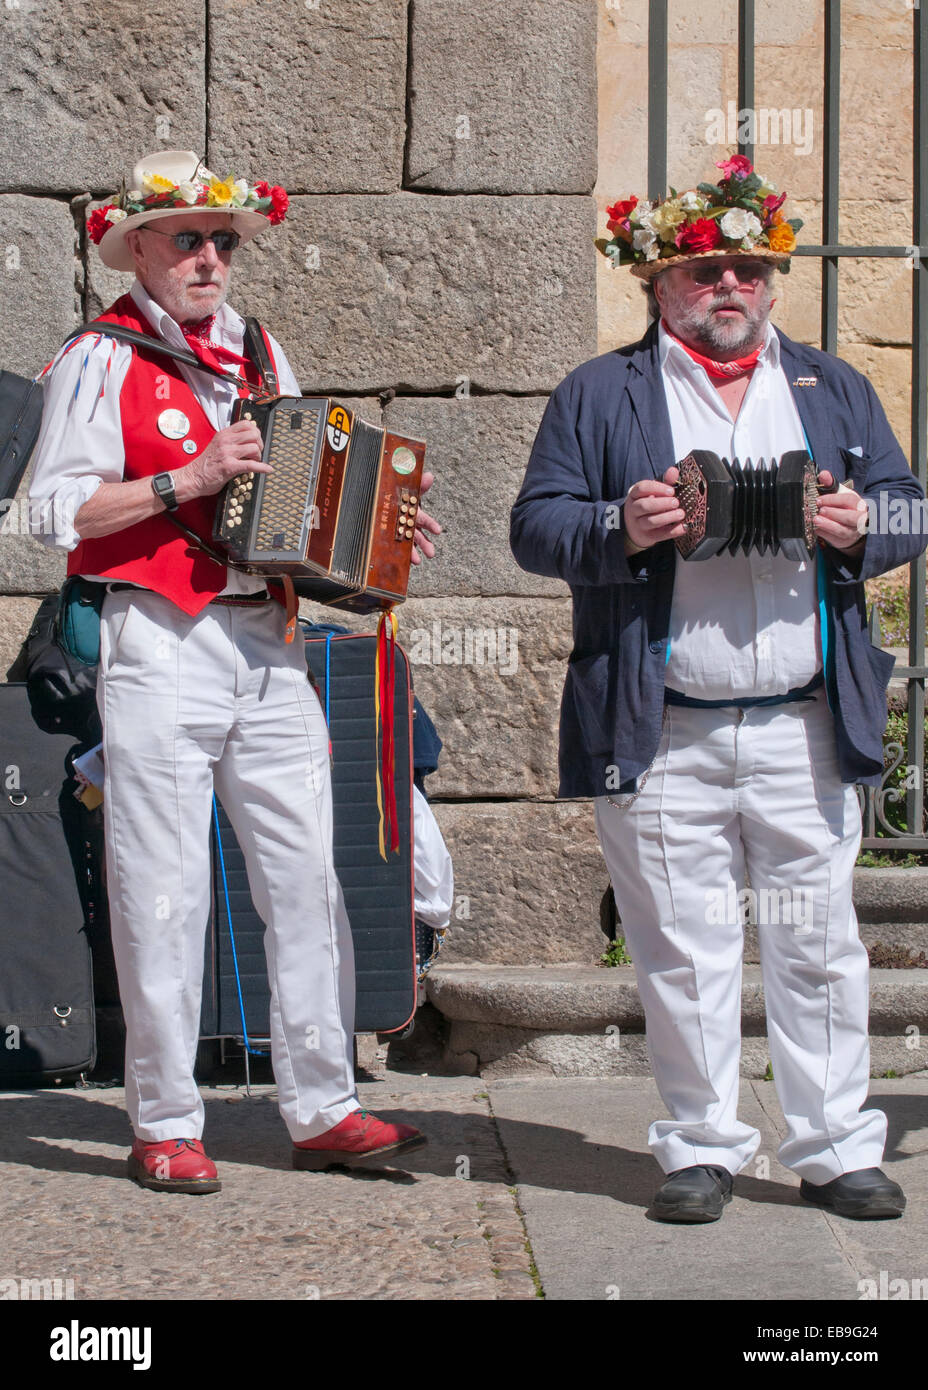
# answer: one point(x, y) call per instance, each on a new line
point(581, 1020)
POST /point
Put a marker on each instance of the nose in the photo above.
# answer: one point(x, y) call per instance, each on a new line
point(728, 278)
point(207, 254)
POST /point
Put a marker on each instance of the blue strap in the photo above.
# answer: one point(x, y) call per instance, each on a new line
point(255, 1051)
point(799, 692)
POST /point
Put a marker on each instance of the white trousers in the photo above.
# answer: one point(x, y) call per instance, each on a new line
point(188, 704)
point(732, 792)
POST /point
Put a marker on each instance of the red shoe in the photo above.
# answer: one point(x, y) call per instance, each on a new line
point(355, 1140)
point(172, 1165)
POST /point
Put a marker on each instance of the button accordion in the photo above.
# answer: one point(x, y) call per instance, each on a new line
point(739, 506)
point(338, 511)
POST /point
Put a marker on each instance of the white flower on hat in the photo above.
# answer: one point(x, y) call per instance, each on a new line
point(739, 223)
point(691, 201)
point(114, 214)
point(644, 239)
point(188, 191)
point(241, 191)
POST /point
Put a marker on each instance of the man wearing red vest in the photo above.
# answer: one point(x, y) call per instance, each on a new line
point(197, 686)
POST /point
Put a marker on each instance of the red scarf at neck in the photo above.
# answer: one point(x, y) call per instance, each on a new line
point(215, 356)
point(723, 370)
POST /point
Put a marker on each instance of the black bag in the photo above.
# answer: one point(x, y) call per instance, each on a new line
point(47, 1028)
point(20, 420)
point(63, 688)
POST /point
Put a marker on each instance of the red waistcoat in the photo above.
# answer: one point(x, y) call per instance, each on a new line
point(153, 552)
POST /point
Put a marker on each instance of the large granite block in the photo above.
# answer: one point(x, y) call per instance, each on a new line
point(477, 448)
point(309, 95)
point(417, 293)
point(16, 615)
point(528, 882)
point(503, 96)
point(39, 304)
point(490, 673)
point(88, 89)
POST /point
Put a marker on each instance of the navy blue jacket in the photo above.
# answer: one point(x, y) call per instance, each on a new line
point(605, 427)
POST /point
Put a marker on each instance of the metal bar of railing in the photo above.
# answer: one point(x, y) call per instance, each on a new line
point(746, 68)
point(657, 98)
point(915, 738)
point(830, 158)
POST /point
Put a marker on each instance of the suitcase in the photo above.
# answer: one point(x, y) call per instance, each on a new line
point(378, 894)
point(47, 859)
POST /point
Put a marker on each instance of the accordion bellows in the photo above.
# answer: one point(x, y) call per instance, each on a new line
point(337, 512)
point(739, 506)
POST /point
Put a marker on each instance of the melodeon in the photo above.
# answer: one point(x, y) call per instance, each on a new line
point(338, 511)
point(736, 505)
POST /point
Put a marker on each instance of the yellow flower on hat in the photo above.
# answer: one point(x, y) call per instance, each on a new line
point(154, 183)
point(781, 238)
point(220, 194)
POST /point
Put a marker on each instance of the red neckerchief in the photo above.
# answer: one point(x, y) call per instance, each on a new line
point(724, 370)
point(213, 355)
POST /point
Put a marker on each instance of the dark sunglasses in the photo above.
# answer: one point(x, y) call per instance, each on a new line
point(192, 241)
point(746, 272)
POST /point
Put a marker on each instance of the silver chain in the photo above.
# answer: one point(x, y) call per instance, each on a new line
point(628, 801)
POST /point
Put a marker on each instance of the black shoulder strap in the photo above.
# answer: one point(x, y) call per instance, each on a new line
point(256, 348)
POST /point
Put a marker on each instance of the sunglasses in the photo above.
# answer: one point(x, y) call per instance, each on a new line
point(192, 241)
point(746, 272)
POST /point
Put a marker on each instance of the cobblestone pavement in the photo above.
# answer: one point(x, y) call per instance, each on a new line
point(446, 1226)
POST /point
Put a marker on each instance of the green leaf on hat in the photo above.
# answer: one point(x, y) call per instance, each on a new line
point(712, 189)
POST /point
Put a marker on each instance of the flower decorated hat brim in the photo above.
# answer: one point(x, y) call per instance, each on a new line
point(740, 215)
point(175, 183)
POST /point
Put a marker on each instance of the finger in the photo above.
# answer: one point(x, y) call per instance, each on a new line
point(656, 506)
point(672, 475)
point(825, 478)
point(424, 545)
point(427, 481)
point(649, 487)
point(427, 523)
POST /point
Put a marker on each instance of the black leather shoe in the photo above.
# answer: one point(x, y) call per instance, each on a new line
point(693, 1194)
point(867, 1194)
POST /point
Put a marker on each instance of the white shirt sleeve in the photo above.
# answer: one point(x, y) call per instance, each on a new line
point(80, 443)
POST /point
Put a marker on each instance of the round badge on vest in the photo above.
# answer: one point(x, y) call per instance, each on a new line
point(174, 424)
point(189, 446)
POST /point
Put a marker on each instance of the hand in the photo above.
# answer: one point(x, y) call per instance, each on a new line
point(236, 449)
point(652, 513)
point(841, 518)
point(424, 523)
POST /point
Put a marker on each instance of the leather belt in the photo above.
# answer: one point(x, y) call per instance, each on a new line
point(234, 600)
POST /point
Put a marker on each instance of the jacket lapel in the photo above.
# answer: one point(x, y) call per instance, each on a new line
point(646, 391)
point(803, 375)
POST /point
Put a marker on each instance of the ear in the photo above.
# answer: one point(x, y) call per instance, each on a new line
point(136, 243)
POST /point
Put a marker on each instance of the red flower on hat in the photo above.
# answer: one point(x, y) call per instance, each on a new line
point(737, 167)
point(702, 235)
point(279, 201)
point(98, 224)
point(619, 212)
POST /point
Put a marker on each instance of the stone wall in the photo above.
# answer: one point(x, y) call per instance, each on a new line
point(436, 268)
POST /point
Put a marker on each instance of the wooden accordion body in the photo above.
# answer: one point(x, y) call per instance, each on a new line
point(338, 511)
point(736, 505)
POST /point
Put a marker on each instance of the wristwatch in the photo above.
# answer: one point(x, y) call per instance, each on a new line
point(163, 487)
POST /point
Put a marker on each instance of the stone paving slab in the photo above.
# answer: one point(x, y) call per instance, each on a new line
point(421, 1232)
point(585, 1179)
point(527, 1189)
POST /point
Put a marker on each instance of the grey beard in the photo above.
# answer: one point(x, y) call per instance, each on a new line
point(724, 335)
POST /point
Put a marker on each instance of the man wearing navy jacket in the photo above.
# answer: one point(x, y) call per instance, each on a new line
point(721, 712)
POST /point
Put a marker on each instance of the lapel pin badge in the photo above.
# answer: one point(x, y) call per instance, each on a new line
point(805, 381)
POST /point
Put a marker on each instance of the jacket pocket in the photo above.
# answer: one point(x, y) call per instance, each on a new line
point(587, 696)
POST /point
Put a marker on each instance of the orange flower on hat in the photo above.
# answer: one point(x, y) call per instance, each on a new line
point(781, 238)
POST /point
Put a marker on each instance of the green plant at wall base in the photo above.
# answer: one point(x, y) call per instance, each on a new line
point(768, 1074)
point(616, 954)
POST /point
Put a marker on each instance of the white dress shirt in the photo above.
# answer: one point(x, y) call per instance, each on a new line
point(80, 444)
point(740, 624)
